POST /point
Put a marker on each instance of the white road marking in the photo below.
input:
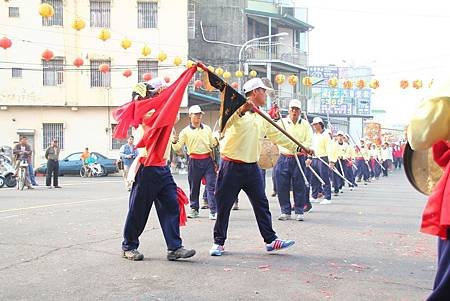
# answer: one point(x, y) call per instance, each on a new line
point(60, 204)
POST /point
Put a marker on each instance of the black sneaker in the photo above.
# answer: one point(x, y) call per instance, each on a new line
point(180, 253)
point(132, 255)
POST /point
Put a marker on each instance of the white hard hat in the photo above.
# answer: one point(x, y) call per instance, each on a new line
point(195, 109)
point(340, 133)
point(255, 83)
point(295, 103)
point(316, 120)
point(157, 83)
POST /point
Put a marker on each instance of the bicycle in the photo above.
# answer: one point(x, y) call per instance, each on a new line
point(22, 174)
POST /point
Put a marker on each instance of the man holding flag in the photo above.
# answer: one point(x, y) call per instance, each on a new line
point(240, 150)
point(153, 181)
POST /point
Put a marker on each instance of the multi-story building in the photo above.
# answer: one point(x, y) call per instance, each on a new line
point(269, 37)
point(55, 99)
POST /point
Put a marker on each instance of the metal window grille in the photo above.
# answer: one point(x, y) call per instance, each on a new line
point(16, 72)
point(57, 18)
point(99, 79)
point(147, 14)
point(117, 143)
point(53, 72)
point(191, 20)
point(14, 12)
point(52, 131)
point(100, 14)
point(147, 66)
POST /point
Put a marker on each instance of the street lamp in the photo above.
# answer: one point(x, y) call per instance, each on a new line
point(257, 39)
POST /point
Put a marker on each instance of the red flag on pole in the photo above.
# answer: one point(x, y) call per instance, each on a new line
point(158, 124)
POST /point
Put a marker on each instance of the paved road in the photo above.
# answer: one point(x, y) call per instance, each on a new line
point(65, 245)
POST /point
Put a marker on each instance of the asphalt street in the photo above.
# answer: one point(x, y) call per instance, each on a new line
point(65, 244)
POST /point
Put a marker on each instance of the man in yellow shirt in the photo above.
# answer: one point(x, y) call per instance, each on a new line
point(347, 163)
point(199, 142)
point(362, 157)
point(322, 148)
point(240, 150)
point(340, 149)
point(287, 173)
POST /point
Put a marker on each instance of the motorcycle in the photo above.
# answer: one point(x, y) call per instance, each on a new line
point(7, 171)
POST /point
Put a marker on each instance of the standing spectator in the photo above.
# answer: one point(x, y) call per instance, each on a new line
point(22, 151)
point(31, 174)
point(128, 153)
point(52, 156)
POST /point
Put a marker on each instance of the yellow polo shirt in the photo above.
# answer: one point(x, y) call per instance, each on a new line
point(322, 145)
point(241, 138)
point(301, 131)
point(350, 152)
point(197, 140)
point(341, 150)
point(363, 152)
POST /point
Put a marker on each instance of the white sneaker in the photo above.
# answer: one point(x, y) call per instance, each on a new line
point(216, 250)
point(284, 217)
point(213, 216)
point(314, 201)
point(325, 202)
point(299, 217)
point(351, 188)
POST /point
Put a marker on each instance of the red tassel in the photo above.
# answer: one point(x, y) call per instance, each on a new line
point(182, 201)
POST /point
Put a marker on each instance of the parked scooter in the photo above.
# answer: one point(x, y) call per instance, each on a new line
point(7, 171)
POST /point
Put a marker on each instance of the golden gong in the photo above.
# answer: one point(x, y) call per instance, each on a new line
point(421, 170)
point(269, 154)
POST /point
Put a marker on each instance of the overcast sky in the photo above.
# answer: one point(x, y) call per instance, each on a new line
point(398, 39)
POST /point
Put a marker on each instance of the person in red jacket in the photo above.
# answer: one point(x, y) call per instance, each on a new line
point(430, 127)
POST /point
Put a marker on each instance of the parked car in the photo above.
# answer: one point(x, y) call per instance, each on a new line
point(72, 164)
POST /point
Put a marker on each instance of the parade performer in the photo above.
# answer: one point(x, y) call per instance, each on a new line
point(362, 156)
point(348, 162)
point(430, 127)
point(240, 150)
point(340, 151)
point(153, 181)
point(322, 147)
point(199, 141)
point(287, 172)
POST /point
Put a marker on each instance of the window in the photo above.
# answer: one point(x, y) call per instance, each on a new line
point(57, 18)
point(100, 14)
point(52, 131)
point(14, 12)
point(116, 143)
point(16, 72)
point(53, 72)
point(191, 20)
point(147, 66)
point(147, 14)
point(99, 79)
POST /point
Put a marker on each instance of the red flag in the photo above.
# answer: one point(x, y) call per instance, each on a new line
point(436, 216)
point(158, 126)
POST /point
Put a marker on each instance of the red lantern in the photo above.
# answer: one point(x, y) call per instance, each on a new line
point(167, 79)
point(307, 81)
point(235, 85)
point(417, 84)
point(47, 55)
point(146, 77)
point(5, 43)
point(198, 83)
point(78, 62)
point(127, 73)
point(374, 84)
point(404, 84)
point(104, 68)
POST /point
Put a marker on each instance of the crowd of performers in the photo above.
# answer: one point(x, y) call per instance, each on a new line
point(228, 163)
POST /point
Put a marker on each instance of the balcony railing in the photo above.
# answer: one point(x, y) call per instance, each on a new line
point(282, 52)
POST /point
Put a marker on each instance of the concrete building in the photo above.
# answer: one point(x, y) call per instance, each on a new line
point(269, 37)
point(45, 100)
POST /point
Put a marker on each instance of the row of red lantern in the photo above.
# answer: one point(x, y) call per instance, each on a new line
point(417, 84)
